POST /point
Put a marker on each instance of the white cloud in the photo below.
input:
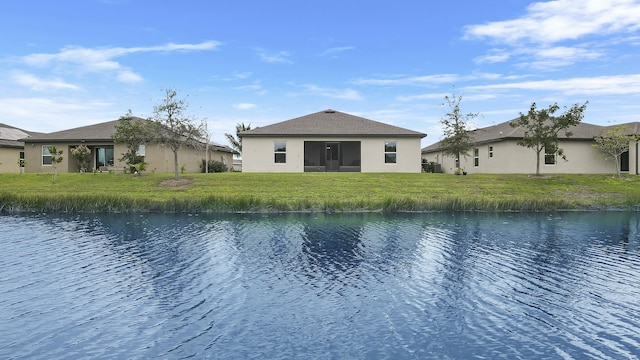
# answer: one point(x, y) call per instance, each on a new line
point(128, 76)
point(80, 59)
point(244, 106)
point(343, 94)
point(280, 57)
point(601, 85)
point(257, 88)
point(416, 80)
point(559, 20)
point(37, 84)
point(53, 114)
point(333, 52)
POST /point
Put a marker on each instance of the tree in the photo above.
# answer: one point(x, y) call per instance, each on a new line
point(614, 143)
point(174, 128)
point(82, 153)
point(541, 128)
point(457, 135)
point(236, 141)
point(133, 132)
point(56, 158)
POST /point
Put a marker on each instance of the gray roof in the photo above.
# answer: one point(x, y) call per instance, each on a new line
point(331, 123)
point(503, 131)
point(11, 136)
point(97, 132)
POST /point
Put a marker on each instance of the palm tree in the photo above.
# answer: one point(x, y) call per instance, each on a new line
point(236, 141)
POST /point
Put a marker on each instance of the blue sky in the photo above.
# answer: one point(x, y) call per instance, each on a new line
point(72, 63)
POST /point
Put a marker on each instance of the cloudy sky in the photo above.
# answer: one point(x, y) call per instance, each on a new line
point(73, 63)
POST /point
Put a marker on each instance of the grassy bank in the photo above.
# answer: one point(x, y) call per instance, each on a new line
point(316, 192)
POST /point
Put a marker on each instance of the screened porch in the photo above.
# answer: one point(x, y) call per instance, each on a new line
point(332, 156)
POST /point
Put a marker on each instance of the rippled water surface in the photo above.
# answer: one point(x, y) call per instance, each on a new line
point(449, 286)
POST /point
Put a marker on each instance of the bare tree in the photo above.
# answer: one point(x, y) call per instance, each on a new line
point(56, 158)
point(457, 135)
point(174, 128)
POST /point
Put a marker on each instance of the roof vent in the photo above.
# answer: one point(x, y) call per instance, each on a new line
point(329, 111)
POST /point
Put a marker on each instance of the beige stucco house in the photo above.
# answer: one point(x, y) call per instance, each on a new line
point(495, 151)
point(331, 141)
point(105, 154)
point(12, 148)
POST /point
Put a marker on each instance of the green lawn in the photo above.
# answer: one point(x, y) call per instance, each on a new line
point(316, 192)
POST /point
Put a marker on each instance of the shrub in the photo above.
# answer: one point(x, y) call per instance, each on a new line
point(214, 166)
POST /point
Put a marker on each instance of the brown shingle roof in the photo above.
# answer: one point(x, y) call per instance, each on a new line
point(582, 131)
point(331, 123)
point(97, 132)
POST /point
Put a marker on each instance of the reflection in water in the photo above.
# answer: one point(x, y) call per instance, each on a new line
point(443, 285)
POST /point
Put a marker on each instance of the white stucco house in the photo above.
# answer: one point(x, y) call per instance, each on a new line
point(495, 151)
point(331, 141)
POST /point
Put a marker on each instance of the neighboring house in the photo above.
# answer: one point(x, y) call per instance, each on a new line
point(330, 141)
point(105, 154)
point(12, 148)
point(495, 151)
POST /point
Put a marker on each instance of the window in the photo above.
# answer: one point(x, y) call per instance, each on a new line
point(104, 156)
point(21, 160)
point(141, 150)
point(280, 152)
point(490, 151)
point(549, 157)
point(390, 153)
point(476, 157)
point(46, 155)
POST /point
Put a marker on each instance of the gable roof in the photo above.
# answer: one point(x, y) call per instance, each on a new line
point(504, 131)
point(11, 136)
point(97, 132)
point(331, 123)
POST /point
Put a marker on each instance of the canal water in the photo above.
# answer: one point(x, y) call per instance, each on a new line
point(320, 286)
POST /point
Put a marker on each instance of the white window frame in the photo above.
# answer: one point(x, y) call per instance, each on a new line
point(476, 157)
point(391, 157)
point(278, 147)
point(46, 153)
point(490, 152)
point(555, 158)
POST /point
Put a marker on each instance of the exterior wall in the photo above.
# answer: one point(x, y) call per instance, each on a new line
point(33, 157)
point(9, 159)
point(510, 158)
point(158, 158)
point(258, 154)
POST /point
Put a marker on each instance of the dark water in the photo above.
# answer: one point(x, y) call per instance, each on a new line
point(317, 286)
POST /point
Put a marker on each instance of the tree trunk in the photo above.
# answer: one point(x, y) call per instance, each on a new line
point(538, 163)
point(175, 163)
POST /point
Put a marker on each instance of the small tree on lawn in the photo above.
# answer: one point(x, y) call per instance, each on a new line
point(174, 127)
point(133, 132)
point(56, 158)
point(21, 164)
point(541, 128)
point(236, 141)
point(457, 135)
point(614, 143)
point(81, 153)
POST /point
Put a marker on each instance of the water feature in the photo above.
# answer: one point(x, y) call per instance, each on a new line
point(322, 286)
